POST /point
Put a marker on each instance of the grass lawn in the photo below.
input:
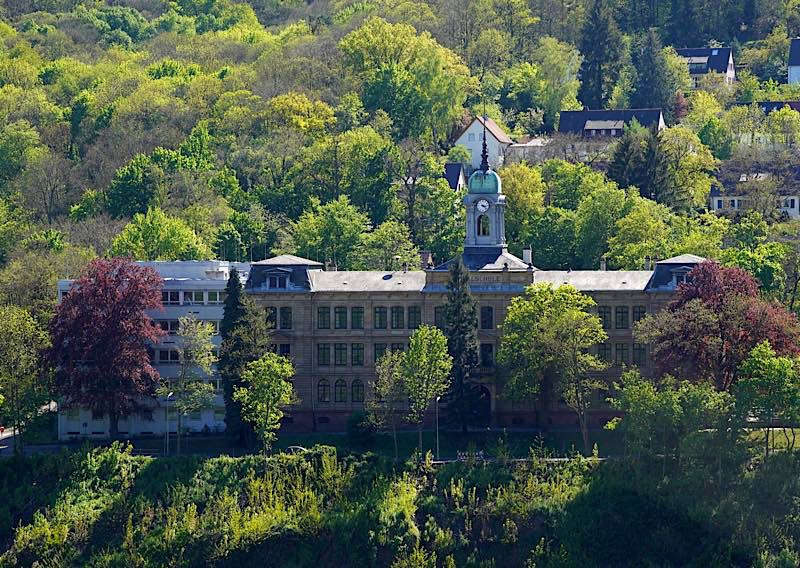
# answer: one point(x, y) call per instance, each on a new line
point(492, 443)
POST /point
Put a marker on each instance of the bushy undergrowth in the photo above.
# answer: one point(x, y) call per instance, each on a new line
point(106, 507)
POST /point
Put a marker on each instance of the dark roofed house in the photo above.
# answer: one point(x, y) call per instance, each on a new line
point(608, 122)
point(769, 106)
point(455, 175)
point(794, 61)
point(705, 60)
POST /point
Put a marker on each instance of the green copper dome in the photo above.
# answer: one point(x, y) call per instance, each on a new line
point(484, 182)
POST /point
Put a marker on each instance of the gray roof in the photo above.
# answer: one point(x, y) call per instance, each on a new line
point(288, 260)
point(487, 258)
point(683, 259)
point(713, 59)
point(596, 280)
point(794, 52)
point(366, 281)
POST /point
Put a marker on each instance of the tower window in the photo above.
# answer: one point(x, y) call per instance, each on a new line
point(483, 226)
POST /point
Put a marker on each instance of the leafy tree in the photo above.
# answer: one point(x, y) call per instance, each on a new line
point(420, 84)
point(100, 337)
point(156, 236)
point(547, 335)
point(601, 46)
point(461, 329)
point(764, 261)
point(595, 221)
point(558, 64)
point(768, 388)
point(196, 351)
point(552, 239)
point(266, 390)
point(297, 111)
point(136, 187)
point(24, 378)
point(690, 165)
point(644, 232)
point(390, 399)
point(245, 338)
point(628, 162)
point(329, 232)
point(712, 323)
point(524, 190)
point(388, 247)
point(567, 183)
point(715, 136)
point(426, 370)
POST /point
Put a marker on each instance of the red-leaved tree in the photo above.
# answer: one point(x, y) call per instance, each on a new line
point(715, 319)
point(100, 337)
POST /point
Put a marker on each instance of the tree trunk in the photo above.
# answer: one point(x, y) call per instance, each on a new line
point(419, 430)
point(113, 424)
point(584, 432)
point(178, 436)
point(394, 435)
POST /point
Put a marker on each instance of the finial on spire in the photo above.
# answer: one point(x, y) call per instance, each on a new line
point(484, 151)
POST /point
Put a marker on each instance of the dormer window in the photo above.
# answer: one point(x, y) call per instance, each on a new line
point(277, 282)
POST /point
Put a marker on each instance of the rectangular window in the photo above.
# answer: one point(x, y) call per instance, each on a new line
point(414, 317)
point(604, 313)
point(73, 413)
point(439, 319)
point(98, 415)
point(340, 354)
point(379, 349)
point(398, 346)
point(719, 204)
point(357, 317)
point(640, 354)
point(604, 351)
point(323, 354)
point(621, 354)
point(170, 326)
point(397, 317)
point(168, 356)
point(324, 317)
point(285, 349)
point(272, 316)
point(171, 297)
point(340, 317)
point(638, 313)
point(487, 317)
point(286, 317)
point(621, 317)
point(215, 297)
point(193, 297)
point(380, 318)
point(357, 354)
point(487, 355)
point(277, 282)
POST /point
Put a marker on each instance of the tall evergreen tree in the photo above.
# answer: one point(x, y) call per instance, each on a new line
point(602, 49)
point(245, 338)
point(461, 318)
point(682, 28)
point(658, 183)
point(627, 166)
point(652, 87)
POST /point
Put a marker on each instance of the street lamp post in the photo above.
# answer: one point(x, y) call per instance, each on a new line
point(438, 456)
point(166, 424)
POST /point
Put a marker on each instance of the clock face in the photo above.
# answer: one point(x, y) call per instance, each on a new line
point(482, 205)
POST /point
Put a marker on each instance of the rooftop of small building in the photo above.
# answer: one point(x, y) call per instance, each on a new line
point(596, 280)
point(367, 281)
point(715, 59)
point(288, 260)
point(574, 121)
point(794, 52)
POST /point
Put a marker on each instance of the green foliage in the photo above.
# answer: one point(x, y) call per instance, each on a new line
point(426, 371)
point(266, 390)
point(156, 236)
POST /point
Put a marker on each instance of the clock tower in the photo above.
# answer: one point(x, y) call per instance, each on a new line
point(485, 203)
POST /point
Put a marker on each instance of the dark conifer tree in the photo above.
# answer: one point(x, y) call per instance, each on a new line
point(602, 49)
point(657, 180)
point(461, 317)
point(245, 338)
point(652, 87)
point(627, 166)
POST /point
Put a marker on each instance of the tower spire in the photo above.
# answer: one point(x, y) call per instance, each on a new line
point(484, 151)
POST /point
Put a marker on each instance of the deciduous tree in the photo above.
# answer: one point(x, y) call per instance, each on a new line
point(101, 334)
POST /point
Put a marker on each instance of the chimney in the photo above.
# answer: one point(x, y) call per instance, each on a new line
point(425, 259)
point(527, 256)
point(603, 263)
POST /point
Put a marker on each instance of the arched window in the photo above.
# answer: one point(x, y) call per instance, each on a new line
point(340, 391)
point(483, 226)
point(357, 389)
point(324, 391)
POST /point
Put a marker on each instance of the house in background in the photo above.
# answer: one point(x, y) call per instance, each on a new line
point(769, 106)
point(794, 61)
point(705, 60)
point(607, 123)
point(738, 193)
point(497, 141)
point(456, 175)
